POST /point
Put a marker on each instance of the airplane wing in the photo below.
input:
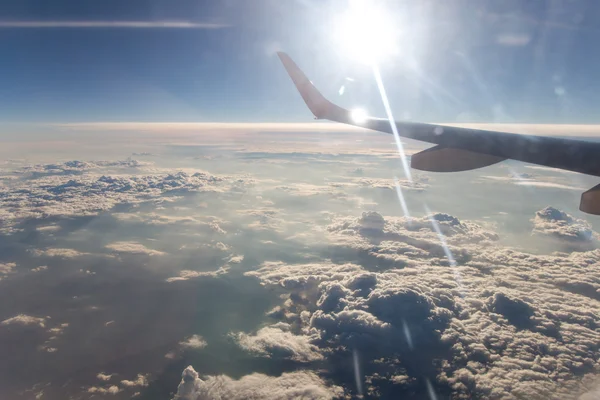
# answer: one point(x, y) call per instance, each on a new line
point(462, 149)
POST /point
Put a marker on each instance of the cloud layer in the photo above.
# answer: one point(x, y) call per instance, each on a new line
point(495, 323)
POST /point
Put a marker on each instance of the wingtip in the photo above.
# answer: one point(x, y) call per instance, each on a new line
point(315, 101)
point(311, 96)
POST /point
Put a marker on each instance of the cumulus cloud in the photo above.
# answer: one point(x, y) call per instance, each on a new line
point(496, 323)
point(290, 385)
point(378, 242)
point(104, 377)
point(141, 380)
point(89, 194)
point(114, 389)
point(6, 268)
point(278, 341)
point(560, 225)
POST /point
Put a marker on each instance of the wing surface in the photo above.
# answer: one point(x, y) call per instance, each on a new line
point(460, 149)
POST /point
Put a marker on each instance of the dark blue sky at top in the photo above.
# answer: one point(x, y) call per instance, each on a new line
point(509, 60)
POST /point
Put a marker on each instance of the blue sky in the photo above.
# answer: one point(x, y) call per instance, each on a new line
point(458, 61)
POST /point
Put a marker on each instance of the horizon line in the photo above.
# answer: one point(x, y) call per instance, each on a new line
point(589, 130)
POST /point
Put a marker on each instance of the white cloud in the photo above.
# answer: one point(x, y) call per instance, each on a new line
point(141, 380)
point(558, 224)
point(189, 274)
point(195, 342)
point(133, 248)
point(553, 185)
point(278, 341)
point(6, 268)
point(525, 179)
point(58, 252)
point(23, 319)
point(104, 377)
point(104, 390)
point(290, 385)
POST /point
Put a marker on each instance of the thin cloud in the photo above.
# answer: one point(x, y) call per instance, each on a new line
point(113, 24)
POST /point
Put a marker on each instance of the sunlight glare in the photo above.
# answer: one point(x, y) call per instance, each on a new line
point(358, 115)
point(365, 32)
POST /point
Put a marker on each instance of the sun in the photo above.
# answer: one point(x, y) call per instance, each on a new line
point(359, 115)
point(365, 32)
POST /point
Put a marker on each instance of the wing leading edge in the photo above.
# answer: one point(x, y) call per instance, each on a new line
point(461, 149)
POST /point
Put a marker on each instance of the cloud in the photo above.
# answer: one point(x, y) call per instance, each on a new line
point(592, 394)
point(133, 248)
point(141, 380)
point(104, 377)
point(555, 223)
point(553, 185)
point(369, 287)
point(6, 268)
point(23, 319)
point(88, 194)
point(76, 167)
point(195, 342)
point(58, 252)
point(290, 385)
point(278, 341)
point(525, 179)
point(189, 274)
point(166, 24)
point(417, 184)
point(101, 390)
point(377, 242)
point(498, 323)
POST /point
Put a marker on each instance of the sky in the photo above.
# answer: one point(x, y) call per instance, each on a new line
point(215, 61)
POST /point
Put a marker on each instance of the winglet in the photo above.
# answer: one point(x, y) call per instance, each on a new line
point(316, 102)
